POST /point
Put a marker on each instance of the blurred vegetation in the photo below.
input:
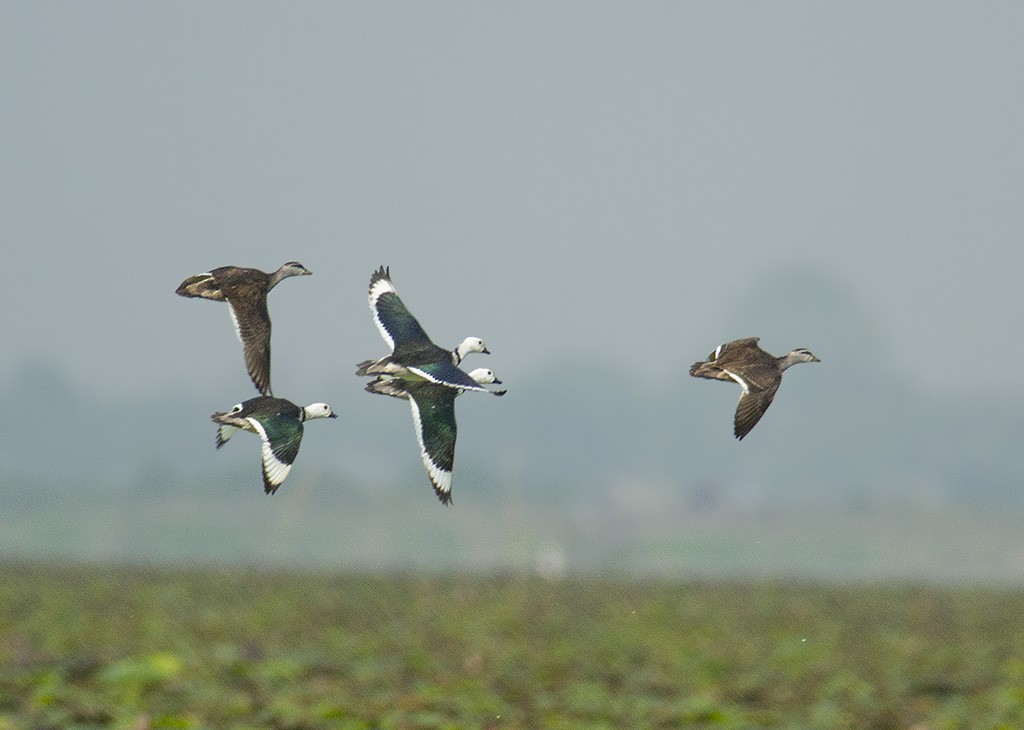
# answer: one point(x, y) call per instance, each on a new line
point(127, 647)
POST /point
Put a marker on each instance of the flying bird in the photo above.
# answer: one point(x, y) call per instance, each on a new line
point(433, 417)
point(757, 372)
point(245, 291)
point(279, 423)
point(413, 356)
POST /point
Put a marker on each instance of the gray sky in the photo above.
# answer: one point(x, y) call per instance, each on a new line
point(568, 180)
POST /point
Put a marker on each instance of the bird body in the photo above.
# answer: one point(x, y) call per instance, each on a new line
point(245, 291)
point(414, 356)
point(278, 422)
point(433, 415)
point(757, 372)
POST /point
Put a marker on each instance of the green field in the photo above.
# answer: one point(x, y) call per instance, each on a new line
point(221, 648)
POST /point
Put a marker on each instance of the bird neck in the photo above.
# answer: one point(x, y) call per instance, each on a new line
point(278, 276)
point(458, 353)
point(789, 359)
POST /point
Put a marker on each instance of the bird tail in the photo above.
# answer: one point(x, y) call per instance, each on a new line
point(224, 433)
point(200, 285)
point(362, 368)
point(371, 367)
point(704, 370)
point(384, 385)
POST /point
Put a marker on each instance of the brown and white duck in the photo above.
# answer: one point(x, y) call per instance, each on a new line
point(758, 373)
point(245, 291)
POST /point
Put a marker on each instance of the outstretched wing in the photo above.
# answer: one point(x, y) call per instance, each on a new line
point(433, 415)
point(722, 358)
point(727, 350)
point(445, 373)
point(394, 322)
point(752, 405)
point(282, 435)
point(252, 325)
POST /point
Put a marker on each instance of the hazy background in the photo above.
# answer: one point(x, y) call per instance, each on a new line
point(604, 193)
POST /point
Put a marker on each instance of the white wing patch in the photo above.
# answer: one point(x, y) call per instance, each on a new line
point(427, 376)
point(381, 286)
point(738, 379)
point(440, 478)
point(274, 470)
point(234, 321)
point(423, 374)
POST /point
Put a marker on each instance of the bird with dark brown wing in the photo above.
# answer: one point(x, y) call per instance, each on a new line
point(245, 291)
point(758, 373)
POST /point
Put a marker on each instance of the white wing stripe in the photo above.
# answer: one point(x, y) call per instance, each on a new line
point(381, 286)
point(738, 379)
point(234, 321)
point(427, 376)
point(274, 469)
point(440, 478)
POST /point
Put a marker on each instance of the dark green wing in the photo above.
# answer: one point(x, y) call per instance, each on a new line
point(282, 435)
point(433, 413)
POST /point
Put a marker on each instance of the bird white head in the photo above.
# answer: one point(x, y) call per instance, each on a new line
point(484, 376)
point(318, 410)
point(468, 345)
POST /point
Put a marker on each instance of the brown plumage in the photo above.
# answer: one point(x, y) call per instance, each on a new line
point(245, 291)
point(758, 373)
